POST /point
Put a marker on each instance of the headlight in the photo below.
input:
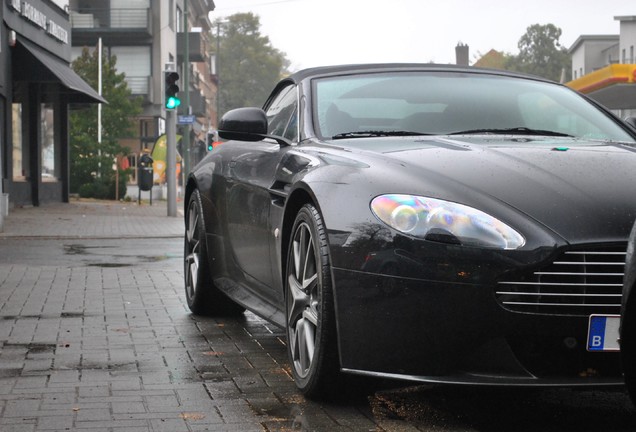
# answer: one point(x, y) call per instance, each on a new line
point(438, 220)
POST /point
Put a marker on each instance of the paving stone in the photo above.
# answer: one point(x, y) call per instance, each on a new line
point(88, 348)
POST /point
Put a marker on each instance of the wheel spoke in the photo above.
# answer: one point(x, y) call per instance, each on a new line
point(192, 252)
point(192, 264)
point(193, 221)
point(311, 315)
point(297, 300)
point(309, 265)
point(306, 338)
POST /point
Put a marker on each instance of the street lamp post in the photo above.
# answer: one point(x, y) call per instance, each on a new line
point(217, 69)
point(186, 85)
point(218, 74)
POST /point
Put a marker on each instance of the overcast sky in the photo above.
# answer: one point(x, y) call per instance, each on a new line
point(327, 32)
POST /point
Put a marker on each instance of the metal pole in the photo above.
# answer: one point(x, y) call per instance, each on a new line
point(171, 161)
point(186, 85)
point(99, 107)
point(217, 61)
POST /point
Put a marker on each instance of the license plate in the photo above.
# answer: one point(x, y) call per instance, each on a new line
point(602, 333)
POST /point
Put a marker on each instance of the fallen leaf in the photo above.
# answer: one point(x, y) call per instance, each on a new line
point(192, 416)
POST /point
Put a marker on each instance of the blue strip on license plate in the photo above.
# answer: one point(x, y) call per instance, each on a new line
point(602, 334)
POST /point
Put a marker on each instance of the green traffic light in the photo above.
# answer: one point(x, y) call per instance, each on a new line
point(173, 102)
point(171, 89)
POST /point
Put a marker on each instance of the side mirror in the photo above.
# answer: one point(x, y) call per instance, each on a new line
point(247, 124)
point(244, 124)
point(631, 121)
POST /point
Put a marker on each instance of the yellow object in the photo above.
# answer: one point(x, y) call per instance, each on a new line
point(605, 77)
point(159, 155)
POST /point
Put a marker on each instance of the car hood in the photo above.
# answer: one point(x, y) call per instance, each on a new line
point(581, 190)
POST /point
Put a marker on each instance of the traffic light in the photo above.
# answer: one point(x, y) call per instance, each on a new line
point(210, 142)
point(171, 100)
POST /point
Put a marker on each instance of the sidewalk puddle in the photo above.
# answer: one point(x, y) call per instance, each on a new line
point(80, 249)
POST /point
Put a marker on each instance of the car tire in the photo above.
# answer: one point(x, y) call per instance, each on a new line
point(630, 383)
point(311, 326)
point(202, 296)
point(628, 350)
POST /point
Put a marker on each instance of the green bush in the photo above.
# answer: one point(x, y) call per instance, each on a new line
point(104, 187)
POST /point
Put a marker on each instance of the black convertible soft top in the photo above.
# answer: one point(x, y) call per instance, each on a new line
point(373, 67)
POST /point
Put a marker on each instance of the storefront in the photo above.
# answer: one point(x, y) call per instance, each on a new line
point(37, 87)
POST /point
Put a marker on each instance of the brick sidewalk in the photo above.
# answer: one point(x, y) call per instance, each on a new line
point(94, 219)
point(88, 346)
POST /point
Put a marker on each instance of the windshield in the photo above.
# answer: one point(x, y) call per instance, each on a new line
point(442, 103)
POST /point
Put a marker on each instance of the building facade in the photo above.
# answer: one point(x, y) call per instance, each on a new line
point(37, 89)
point(604, 67)
point(145, 36)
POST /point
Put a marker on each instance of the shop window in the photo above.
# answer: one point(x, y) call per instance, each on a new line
point(132, 164)
point(20, 168)
point(48, 142)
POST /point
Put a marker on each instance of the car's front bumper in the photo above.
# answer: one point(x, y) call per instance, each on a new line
point(420, 330)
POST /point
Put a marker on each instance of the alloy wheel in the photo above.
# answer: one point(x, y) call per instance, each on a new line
point(303, 300)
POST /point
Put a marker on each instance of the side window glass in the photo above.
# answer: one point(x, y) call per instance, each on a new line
point(281, 114)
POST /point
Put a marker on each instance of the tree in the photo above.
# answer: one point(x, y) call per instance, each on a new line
point(540, 53)
point(248, 66)
point(91, 163)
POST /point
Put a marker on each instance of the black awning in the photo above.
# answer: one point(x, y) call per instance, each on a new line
point(80, 91)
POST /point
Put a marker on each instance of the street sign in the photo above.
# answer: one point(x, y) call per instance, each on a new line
point(185, 119)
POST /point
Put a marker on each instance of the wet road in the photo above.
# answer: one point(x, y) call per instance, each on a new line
point(95, 335)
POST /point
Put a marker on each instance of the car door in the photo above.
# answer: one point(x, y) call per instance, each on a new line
point(250, 177)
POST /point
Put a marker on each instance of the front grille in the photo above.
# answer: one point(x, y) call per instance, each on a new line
point(579, 282)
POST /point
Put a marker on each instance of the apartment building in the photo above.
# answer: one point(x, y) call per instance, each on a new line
point(146, 36)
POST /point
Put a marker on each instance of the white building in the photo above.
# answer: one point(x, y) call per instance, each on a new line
point(604, 67)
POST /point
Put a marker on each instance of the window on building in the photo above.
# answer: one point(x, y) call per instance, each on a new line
point(631, 54)
point(129, 13)
point(624, 56)
point(20, 170)
point(575, 75)
point(132, 164)
point(134, 61)
point(171, 14)
point(179, 20)
point(47, 125)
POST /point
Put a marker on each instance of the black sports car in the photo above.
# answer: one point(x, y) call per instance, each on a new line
point(420, 222)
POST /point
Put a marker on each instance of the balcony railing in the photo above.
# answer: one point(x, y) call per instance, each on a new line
point(112, 19)
point(139, 85)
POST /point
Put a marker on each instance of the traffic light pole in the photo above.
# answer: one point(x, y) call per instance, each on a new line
point(186, 85)
point(171, 161)
point(171, 102)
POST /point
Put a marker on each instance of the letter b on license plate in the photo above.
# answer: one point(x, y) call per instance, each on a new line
point(602, 334)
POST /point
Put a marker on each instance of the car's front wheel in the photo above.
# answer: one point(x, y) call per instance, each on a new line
point(311, 329)
point(202, 296)
point(628, 348)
